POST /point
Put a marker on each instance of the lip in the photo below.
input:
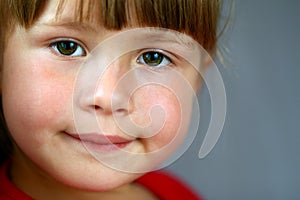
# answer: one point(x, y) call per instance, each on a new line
point(96, 141)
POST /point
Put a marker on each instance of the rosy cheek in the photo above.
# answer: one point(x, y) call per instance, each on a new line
point(35, 98)
point(167, 105)
point(47, 105)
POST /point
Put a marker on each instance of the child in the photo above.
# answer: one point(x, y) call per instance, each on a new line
point(58, 83)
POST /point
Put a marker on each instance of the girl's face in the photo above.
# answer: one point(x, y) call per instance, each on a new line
point(48, 106)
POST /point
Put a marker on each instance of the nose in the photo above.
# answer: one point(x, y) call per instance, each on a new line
point(103, 90)
point(111, 94)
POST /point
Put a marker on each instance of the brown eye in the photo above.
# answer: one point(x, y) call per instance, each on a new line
point(68, 48)
point(154, 59)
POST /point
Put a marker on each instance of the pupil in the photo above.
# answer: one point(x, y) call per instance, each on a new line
point(66, 48)
point(152, 58)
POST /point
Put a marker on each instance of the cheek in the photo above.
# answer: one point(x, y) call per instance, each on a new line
point(159, 97)
point(34, 98)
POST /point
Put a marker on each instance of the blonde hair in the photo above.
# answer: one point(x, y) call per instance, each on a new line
point(197, 18)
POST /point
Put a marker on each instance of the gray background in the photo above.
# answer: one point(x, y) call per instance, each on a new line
point(257, 156)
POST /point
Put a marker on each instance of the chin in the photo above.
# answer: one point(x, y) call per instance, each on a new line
point(100, 180)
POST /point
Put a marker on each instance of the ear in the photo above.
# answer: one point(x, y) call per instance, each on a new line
point(208, 60)
point(206, 64)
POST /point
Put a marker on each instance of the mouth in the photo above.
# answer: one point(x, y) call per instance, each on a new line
point(101, 142)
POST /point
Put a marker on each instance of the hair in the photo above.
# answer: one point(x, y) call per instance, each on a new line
point(197, 18)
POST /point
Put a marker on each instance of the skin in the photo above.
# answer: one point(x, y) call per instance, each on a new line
point(37, 91)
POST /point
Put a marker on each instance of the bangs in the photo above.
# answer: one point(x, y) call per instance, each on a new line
point(196, 18)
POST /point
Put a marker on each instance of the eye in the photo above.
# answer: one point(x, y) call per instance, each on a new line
point(68, 48)
point(153, 59)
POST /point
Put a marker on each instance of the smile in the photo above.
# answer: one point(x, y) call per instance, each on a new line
point(101, 142)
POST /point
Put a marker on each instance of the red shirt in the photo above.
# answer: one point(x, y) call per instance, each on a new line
point(163, 185)
point(167, 187)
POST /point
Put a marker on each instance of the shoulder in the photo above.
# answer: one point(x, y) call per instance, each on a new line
point(167, 186)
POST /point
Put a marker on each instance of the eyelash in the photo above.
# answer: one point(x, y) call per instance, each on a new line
point(164, 58)
point(74, 48)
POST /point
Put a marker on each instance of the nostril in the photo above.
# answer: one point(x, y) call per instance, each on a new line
point(121, 111)
point(96, 107)
point(118, 111)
